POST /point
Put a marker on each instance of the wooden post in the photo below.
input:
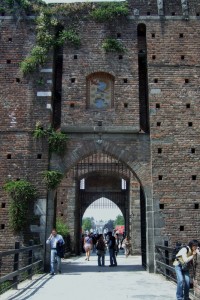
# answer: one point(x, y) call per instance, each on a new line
point(16, 265)
point(166, 260)
point(30, 260)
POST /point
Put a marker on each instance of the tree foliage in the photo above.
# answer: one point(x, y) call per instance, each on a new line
point(119, 220)
point(87, 224)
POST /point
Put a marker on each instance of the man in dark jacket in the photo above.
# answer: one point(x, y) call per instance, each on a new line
point(111, 247)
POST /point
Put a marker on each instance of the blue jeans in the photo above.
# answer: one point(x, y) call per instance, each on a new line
point(113, 260)
point(101, 260)
point(183, 283)
point(55, 258)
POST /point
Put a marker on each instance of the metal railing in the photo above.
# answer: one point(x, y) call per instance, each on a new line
point(163, 260)
point(32, 266)
point(164, 264)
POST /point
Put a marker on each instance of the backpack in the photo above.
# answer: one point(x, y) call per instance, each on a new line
point(177, 248)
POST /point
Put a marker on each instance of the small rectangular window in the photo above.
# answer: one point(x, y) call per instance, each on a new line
point(3, 205)
point(196, 206)
point(157, 105)
point(160, 177)
point(162, 206)
point(194, 177)
point(159, 150)
point(181, 228)
point(193, 150)
point(123, 184)
point(82, 184)
point(188, 105)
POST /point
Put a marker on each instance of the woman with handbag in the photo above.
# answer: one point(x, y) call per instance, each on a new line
point(101, 251)
point(182, 263)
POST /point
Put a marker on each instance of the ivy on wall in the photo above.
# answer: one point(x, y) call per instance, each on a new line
point(56, 139)
point(52, 179)
point(21, 193)
point(51, 20)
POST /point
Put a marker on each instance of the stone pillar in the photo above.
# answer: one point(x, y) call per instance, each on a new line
point(135, 218)
point(160, 7)
point(50, 223)
point(185, 8)
point(150, 245)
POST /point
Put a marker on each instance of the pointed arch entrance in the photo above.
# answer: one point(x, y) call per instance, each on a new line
point(103, 176)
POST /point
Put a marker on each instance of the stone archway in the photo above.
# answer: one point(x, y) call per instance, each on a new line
point(108, 171)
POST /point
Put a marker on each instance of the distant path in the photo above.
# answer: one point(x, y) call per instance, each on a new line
point(83, 280)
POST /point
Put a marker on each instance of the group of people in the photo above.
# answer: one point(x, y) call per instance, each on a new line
point(182, 263)
point(110, 242)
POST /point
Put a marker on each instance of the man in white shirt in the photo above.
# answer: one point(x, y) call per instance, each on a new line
point(56, 241)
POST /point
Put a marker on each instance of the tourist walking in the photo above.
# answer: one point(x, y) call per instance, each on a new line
point(101, 250)
point(87, 246)
point(111, 246)
point(56, 243)
point(126, 245)
point(182, 263)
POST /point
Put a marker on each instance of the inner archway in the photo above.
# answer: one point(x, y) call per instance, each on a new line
point(102, 216)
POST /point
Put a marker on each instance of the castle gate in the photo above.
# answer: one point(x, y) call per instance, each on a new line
point(105, 171)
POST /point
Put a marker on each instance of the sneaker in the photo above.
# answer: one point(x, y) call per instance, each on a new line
point(52, 273)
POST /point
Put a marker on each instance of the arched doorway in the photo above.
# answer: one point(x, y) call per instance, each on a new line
point(102, 175)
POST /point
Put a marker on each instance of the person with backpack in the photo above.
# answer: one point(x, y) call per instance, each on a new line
point(182, 263)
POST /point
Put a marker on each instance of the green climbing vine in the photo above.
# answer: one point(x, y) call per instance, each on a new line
point(56, 139)
point(52, 31)
point(106, 12)
point(21, 193)
point(113, 45)
point(52, 179)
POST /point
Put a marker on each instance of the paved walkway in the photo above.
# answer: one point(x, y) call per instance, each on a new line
point(82, 279)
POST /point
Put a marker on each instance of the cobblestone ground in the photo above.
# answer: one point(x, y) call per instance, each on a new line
point(82, 279)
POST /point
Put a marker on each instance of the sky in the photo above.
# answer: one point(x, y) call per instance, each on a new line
point(110, 212)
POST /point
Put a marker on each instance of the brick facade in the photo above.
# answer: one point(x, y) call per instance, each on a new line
point(163, 159)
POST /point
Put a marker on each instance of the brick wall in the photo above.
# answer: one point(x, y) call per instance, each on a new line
point(173, 77)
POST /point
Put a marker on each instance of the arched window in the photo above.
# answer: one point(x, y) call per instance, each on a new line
point(100, 90)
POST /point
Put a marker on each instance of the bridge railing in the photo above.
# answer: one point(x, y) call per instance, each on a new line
point(163, 260)
point(164, 265)
point(31, 265)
